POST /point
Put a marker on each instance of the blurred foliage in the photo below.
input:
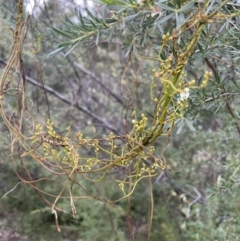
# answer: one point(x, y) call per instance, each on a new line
point(103, 71)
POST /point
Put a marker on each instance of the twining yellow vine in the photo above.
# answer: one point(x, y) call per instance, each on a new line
point(63, 155)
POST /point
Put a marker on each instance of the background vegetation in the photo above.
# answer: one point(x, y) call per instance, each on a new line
point(97, 64)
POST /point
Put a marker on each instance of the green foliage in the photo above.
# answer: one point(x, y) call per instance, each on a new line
point(176, 159)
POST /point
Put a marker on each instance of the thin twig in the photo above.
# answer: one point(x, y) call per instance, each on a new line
point(11, 190)
point(99, 81)
point(62, 98)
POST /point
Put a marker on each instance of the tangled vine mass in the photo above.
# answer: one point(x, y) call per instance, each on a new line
point(132, 154)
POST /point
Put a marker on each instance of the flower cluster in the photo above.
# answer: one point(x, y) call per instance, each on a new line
point(140, 125)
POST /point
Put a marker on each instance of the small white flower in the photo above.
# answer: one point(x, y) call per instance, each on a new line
point(184, 94)
point(140, 2)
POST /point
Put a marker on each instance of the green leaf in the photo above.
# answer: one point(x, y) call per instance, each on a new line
point(74, 46)
point(180, 124)
point(65, 44)
point(189, 124)
point(70, 24)
point(132, 17)
point(110, 35)
point(93, 24)
point(91, 16)
point(129, 49)
point(55, 52)
point(188, 6)
point(120, 10)
point(200, 48)
point(165, 18)
point(61, 32)
point(110, 20)
point(81, 18)
point(149, 23)
point(177, 3)
point(165, 7)
point(225, 25)
point(180, 19)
